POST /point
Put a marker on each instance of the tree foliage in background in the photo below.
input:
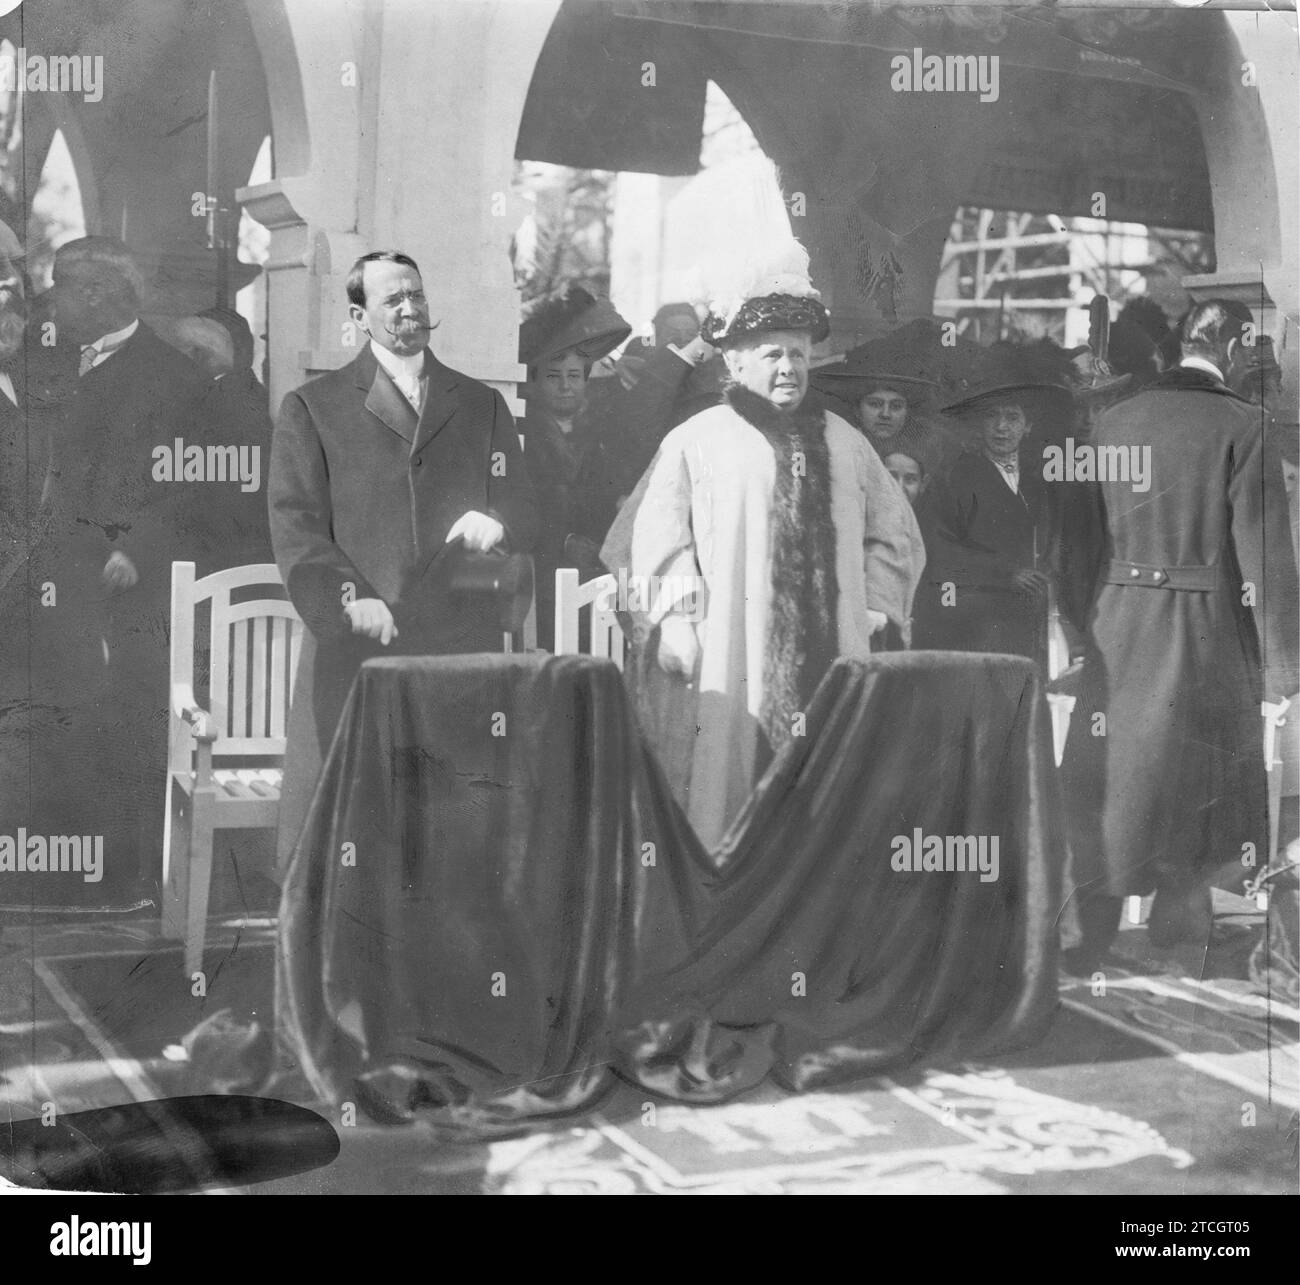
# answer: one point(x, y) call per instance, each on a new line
point(565, 239)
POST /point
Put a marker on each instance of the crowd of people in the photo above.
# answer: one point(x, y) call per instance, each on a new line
point(919, 491)
point(1135, 499)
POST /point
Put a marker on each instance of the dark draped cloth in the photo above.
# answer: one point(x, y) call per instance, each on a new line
point(496, 905)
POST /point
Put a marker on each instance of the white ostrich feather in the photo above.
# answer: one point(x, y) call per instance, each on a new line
point(780, 268)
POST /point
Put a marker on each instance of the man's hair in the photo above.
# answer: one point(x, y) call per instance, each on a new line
point(1211, 326)
point(1148, 316)
point(356, 285)
point(908, 453)
point(111, 253)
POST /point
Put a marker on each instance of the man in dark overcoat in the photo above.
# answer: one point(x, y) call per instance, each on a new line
point(1192, 625)
point(379, 471)
point(118, 523)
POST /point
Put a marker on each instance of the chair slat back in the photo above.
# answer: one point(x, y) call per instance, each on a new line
point(253, 650)
point(572, 597)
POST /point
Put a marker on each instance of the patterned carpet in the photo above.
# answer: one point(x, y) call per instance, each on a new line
point(1166, 1075)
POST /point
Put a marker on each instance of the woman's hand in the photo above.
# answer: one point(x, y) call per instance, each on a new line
point(679, 647)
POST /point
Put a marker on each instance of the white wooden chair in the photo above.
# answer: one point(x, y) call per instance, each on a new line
point(223, 762)
point(571, 598)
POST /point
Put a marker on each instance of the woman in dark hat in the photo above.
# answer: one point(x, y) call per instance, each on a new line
point(560, 340)
point(987, 524)
point(885, 391)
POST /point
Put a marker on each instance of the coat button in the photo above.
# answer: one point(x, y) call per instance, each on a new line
point(1134, 572)
point(1157, 576)
point(417, 461)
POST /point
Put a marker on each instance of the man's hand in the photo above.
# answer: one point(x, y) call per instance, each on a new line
point(876, 621)
point(1033, 584)
point(478, 531)
point(695, 353)
point(119, 572)
point(679, 648)
point(371, 617)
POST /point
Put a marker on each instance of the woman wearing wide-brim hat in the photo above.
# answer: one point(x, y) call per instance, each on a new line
point(887, 395)
point(560, 340)
point(987, 521)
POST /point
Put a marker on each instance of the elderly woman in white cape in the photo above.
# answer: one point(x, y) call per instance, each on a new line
point(763, 541)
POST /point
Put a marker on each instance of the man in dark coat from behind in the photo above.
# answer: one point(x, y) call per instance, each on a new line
point(1192, 624)
point(381, 474)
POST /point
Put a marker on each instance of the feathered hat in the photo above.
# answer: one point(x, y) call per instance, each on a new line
point(770, 290)
point(571, 321)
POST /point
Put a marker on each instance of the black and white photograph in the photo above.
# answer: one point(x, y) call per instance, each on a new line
point(650, 597)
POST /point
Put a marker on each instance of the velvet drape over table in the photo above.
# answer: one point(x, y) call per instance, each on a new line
point(496, 905)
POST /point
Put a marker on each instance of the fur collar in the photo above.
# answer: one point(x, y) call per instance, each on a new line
point(768, 419)
point(802, 636)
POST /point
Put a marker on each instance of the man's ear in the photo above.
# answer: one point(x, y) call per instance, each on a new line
point(358, 315)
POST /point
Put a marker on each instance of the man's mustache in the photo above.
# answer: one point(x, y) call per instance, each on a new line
point(413, 325)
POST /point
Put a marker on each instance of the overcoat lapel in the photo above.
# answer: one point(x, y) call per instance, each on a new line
point(384, 399)
point(441, 404)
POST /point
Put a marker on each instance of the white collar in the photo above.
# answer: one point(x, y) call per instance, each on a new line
point(396, 365)
point(1009, 473)
point(114, 338)
point(1200, 363)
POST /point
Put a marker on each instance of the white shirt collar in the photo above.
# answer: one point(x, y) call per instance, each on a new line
point(408, 368)
point(1200, 363)
point(1010, 473)
point(114, 338)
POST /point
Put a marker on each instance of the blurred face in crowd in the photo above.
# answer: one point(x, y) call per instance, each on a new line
point(774, 365)
point(1263, 387)
point(677, 328)
point(396, 312)
point(883, 412)
point(1002, 427)
point(563, 384)
point(907, 473)
point(13, 308)
point(90, 300)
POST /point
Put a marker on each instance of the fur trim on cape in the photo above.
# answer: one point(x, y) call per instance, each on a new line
point(802, 639)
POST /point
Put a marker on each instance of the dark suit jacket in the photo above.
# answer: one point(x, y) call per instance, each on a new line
point(141, 397)
point(978, 534)
point(362, 495)
point(361, 498)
